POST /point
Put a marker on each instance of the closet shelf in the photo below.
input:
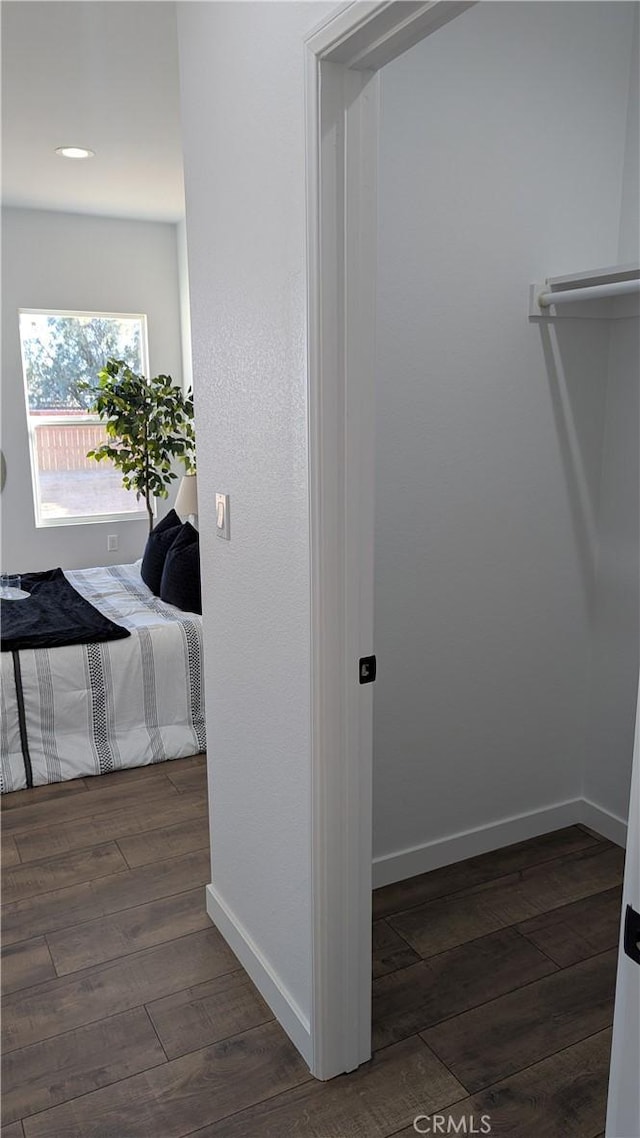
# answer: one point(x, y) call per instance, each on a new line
point(580, 292)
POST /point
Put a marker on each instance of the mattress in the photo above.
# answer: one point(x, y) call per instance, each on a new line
point(90, 709)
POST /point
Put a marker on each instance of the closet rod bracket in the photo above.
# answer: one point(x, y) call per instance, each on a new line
point(587, 295)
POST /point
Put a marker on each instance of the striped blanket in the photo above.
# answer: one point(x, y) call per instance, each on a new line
point(88, 709)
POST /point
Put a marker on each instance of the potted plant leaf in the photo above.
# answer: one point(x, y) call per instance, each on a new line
point(149, 424)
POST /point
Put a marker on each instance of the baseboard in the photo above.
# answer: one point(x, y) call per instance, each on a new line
point(396, 867)
point(604, 822)
point(265, 978)
point(421, 859)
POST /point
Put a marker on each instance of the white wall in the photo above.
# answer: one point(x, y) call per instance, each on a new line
point(501, 161)
point(609, 745)
point(243, 127)
point(185, 304)
point(72, 261)
point(629, 241)
point(491, 635)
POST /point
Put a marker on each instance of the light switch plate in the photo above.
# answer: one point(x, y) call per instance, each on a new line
point(223, 520)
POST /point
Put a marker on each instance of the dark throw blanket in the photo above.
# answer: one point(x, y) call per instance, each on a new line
point(54, 615)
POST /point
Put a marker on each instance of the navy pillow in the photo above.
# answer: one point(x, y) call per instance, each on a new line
point(180, 585)
point(158, 545)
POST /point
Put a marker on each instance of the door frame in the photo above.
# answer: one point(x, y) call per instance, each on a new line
point(623, 1103)
point(343, 57)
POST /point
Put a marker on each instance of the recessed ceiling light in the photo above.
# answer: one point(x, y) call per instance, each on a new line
point(75, 152)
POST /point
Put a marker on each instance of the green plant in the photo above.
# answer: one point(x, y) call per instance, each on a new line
point(149, 424)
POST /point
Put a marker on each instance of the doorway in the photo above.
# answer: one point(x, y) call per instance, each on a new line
point(345, 57)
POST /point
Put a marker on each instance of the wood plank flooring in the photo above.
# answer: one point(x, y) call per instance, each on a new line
point(125, 1014)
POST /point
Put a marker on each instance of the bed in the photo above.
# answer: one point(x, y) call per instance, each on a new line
point(88, 709)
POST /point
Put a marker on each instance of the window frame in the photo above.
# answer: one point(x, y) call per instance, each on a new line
point(55, 419)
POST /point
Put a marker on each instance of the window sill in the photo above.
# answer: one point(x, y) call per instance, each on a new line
point(94, 520)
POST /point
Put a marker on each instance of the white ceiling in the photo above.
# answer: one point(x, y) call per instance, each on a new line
point(102, 74)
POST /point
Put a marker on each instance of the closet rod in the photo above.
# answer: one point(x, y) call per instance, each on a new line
point(592, 292)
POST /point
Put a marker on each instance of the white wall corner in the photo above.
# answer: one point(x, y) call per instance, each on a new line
point(604, 822)
point(185, 303)
point(264, 976)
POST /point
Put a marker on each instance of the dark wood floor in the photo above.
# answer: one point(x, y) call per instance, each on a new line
point(126, 1016)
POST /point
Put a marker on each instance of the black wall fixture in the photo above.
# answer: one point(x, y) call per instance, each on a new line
point(632, 934)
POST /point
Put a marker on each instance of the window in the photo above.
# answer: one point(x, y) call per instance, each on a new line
point(59, 350)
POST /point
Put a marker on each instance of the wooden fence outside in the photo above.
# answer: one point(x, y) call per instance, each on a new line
point(64, 447)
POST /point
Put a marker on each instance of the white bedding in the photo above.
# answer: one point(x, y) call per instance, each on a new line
point(94, 708)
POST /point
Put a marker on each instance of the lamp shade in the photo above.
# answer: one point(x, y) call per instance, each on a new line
point(187, 496)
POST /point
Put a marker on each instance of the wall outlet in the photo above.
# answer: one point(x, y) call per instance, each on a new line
point(112, 542)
